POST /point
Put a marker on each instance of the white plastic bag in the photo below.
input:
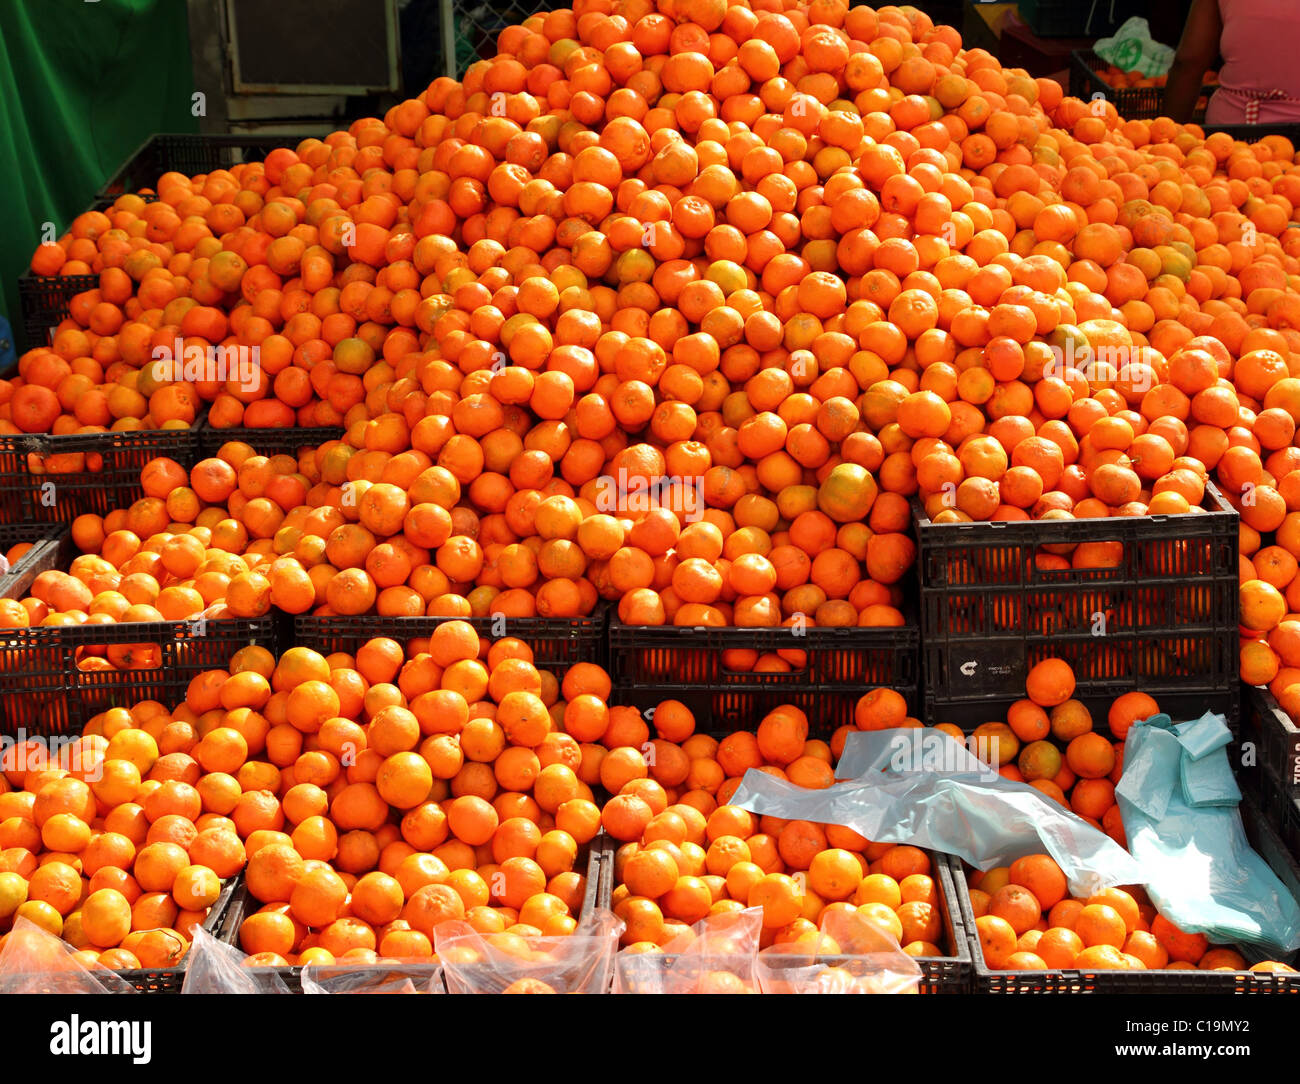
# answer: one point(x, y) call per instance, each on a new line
point(505, 963)
point(1178, 801)
point(34, 961)
point(925, 788)
point(373, 979)
point(1131, 49)
point(850, 955)
point(716, 956)
point(213, 967)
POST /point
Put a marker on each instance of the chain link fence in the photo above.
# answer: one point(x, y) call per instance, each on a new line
point(470, 28)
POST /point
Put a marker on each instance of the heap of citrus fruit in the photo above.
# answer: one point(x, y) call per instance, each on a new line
point(112, 843)
point(688, 298)
point(416, 787)
point(1134, 77)
point(677, 303)
point(347, 532)
point(1027, 921)
point(687, 854)
point(372, 797)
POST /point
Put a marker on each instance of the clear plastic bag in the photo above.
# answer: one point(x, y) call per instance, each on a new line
point(1132, 48)
point(504, 963)
point(213, 967)
point(373, 979)
point(1178, 802)
point(34, 961)
point(716, 956)
point(924, 787)
point(850, 955)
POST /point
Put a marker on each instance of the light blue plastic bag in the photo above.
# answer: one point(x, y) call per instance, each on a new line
point(1178, 801)
point(925, 788)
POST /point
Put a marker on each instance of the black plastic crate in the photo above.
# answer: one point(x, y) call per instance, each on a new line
point(1278, 740)
point(598, 855)
point(42, 688)
point(1073, 981)
point(265, 441)
point(1131, 103)
point(168, 980)
point(1164, 620)
point(41, 684)
point(557, 642)
point(720, 711)
point(939, 974)
point(48, 478)
point(44, 303)
point(242, 904)
point(191, 155)
point(1286, 822)
point(647, 656)
point(147, 980)
point(41, 537)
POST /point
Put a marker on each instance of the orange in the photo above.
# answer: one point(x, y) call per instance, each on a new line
point(1042, 876)
point(1059, 947)
point(997, 939)
point(106, 918)
point(1050, 682)
point(1101, 924)
point(1019, 907)
point(1184, 947)
point(1127, 709)
point(1090, 756)
point(779, 897)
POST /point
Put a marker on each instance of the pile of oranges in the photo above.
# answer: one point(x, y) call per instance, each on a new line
point(369, 797)
point(348, 532)
point(1050, 740)
point(678, 304)
point(687, 854)
point(1027, 921)
point(418, 787)
point(1023, 913)
point(682, 871)
point(1134, 77)
point(112, 843)
point(684, 300)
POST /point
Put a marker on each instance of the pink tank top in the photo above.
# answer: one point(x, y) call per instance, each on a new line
point(1260, 78)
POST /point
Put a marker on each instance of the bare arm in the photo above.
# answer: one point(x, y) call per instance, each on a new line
point(1197, 50)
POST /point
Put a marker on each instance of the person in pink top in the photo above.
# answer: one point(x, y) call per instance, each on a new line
point(1259, 43)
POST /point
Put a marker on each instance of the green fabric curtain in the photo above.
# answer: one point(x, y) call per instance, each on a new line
point(82, 84)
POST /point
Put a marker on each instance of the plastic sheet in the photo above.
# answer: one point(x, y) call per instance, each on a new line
point(925, 788)
point(1180, 814)
point(34, 961)
point(718, 955)
point(213, 967)
point(504, 963)
point(373, 979)
point(864, 958)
